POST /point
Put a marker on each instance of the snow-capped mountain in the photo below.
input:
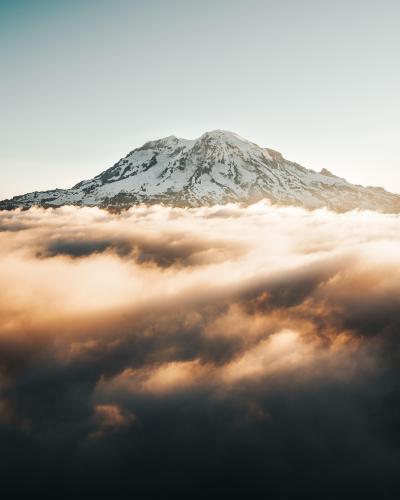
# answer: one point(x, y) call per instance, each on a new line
point(218, 167)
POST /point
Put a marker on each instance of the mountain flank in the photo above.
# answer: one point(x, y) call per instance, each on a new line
point(217, 168)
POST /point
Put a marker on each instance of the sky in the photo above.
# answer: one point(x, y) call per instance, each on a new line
point(85, 82)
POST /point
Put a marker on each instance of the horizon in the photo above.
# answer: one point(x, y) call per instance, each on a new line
point(193, 139)
point(85, 82)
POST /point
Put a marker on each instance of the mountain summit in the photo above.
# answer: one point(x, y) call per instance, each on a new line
point(218, 167)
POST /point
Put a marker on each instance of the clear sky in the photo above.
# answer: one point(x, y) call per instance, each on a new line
point(83, 82)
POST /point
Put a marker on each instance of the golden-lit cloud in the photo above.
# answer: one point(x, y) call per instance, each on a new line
point(122, 330)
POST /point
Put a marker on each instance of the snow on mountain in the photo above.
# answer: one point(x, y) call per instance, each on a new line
point(218, 167)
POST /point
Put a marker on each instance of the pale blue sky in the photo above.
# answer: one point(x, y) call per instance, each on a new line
point(83, 82)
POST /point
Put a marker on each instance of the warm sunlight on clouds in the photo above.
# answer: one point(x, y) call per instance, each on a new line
point(125, 331)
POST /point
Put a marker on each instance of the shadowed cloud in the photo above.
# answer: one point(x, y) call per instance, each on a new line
point(200, 353)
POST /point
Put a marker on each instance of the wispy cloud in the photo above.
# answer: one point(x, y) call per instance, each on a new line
point(208, 341)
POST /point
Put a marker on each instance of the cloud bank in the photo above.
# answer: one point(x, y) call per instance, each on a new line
point(200, 353)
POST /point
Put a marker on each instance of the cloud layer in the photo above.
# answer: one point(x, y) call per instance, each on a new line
point(200, 352)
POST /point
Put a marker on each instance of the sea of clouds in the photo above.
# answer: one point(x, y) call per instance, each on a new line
point(200, 353)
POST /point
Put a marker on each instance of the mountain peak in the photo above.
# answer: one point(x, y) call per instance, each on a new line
point(218, 167)
point(221, 134)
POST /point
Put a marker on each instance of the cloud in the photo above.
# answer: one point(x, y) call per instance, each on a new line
point(110, 418)
point(200, 352)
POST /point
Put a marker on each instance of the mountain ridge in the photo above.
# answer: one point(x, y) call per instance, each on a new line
point(216, 168)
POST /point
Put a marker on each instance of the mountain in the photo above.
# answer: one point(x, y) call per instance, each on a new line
point(218, 167)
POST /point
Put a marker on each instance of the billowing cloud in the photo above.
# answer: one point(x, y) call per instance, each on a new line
point(200, 352)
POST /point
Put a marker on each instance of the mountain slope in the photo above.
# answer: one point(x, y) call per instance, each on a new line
point(218, 167)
